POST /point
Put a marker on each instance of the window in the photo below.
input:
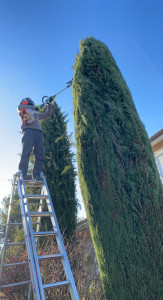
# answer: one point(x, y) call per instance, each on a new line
point(159, 161)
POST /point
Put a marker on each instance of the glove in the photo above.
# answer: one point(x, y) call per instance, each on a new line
point(52, 99)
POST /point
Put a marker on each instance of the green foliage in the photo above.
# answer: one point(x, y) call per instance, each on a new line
point(59, 170)
point(119, 180)
point(3, 217)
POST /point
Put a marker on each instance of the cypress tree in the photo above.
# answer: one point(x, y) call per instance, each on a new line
point(59, 170)
point(119, 180)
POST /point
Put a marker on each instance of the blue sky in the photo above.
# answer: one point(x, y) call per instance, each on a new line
point(39, 41)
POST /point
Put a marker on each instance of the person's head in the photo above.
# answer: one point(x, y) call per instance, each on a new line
point(26, 103)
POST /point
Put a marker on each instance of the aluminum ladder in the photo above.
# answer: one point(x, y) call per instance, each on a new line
point(31, 238)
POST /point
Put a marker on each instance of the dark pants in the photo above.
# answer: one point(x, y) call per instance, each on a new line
point(32, 140)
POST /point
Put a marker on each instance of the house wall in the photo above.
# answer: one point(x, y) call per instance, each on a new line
point(157, 145)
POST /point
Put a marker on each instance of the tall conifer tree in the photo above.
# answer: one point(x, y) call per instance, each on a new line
point(59, 170)
point(119, 179)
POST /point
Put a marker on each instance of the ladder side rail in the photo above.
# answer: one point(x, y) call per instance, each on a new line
point(7, 228)
point(29, 290)
point(36, 241)
point(66, 264)
point(38, 221)
point(32, 242)
point(28, 243)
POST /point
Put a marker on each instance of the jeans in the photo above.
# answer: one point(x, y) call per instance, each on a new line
point(32, 140)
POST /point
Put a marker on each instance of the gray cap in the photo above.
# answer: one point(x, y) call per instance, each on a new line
point(26, 103)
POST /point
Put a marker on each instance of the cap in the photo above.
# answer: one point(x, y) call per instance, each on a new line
point(27, 101)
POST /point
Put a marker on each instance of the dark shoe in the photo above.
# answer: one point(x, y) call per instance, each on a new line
point(27, 177)
point(38, 178)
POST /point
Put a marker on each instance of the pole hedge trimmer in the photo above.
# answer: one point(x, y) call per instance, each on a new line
point(46, 99)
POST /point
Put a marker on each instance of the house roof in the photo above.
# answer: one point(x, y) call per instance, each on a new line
point(157, 141)
point(156, 135)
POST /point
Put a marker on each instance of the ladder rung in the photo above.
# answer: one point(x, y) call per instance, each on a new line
point(47, 257)
point(44, 233)
point(16, 264)
point(33, 196)
point(33, 183)
point(15, 223)
point(35, 204)
point(55, 284)
point(15, 244)
point(40, 214)
point(15, 284)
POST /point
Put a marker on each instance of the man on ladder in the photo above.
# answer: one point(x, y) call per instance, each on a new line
point(32, 136)
point(33, 140)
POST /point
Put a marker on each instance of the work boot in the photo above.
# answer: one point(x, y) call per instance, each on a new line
point(38, 178)
point(27, 177)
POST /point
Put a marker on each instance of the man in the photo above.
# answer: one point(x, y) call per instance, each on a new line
point(32, 137)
